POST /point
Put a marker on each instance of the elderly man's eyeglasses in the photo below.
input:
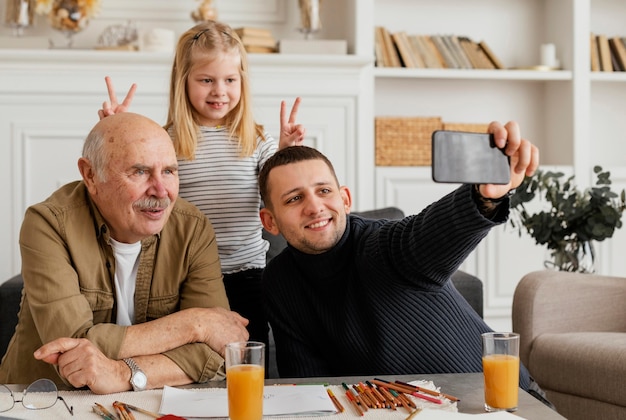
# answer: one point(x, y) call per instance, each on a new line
point(42, 393)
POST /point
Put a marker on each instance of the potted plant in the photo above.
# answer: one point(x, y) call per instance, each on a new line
point(574, 218)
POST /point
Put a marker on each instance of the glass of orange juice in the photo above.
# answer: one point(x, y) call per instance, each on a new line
point(501, 370)
point(245, 377)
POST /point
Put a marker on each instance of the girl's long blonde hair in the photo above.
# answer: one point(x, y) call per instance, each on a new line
point(206, 40)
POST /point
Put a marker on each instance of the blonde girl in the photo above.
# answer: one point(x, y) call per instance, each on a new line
point(221, 150)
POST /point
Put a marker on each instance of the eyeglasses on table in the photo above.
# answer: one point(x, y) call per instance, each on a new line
point(39, 395)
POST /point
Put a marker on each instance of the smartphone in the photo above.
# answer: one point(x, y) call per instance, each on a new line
point(468, 158)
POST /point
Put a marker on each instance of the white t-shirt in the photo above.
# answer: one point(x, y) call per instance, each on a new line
point(126, 263)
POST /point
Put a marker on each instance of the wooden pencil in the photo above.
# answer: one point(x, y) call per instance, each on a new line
point(388, 397)
point(335, 400)
point(402, 402)
point(142, 411)
point(429, 391)
point(354, 403)
point(377, 394)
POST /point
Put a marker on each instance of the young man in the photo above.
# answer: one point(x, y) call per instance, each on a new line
point(122, 281)
point(351, 296)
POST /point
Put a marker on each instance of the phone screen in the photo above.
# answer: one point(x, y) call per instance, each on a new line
point(468, 158)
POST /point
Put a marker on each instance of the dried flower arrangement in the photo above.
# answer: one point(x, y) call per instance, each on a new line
point(68, 15)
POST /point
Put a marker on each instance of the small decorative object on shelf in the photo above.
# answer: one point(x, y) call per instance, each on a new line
point(205, 11)
point(310, 17)
point(19, 15)
point(119, 37)
point(574, 220)
point(68, 16)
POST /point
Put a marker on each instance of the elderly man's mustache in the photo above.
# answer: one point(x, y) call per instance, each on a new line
point(153, 203)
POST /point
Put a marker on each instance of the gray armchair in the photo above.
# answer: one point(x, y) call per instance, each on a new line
point(573, 340)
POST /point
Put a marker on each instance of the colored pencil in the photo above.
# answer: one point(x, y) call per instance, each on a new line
point(377, 394)
point(354, 403)
point(141, 410)
point(429, 391)
point(335, 400)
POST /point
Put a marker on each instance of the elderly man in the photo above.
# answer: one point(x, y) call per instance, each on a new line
point(351, 296)
point(122, 282)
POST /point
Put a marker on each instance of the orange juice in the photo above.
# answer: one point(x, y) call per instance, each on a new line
point(501, 380)
point(245, 392)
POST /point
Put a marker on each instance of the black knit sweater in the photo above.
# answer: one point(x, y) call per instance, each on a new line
point(381, 301)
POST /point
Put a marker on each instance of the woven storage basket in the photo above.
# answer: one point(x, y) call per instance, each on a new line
point(468, 127)
point(405, 141)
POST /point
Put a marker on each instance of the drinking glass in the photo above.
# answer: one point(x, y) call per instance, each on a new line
point(501, 370)
point(245, 377)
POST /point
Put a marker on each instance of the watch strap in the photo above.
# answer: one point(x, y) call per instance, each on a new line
point(134, 371)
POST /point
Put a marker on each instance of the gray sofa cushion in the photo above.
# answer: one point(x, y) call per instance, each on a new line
point(10, 298)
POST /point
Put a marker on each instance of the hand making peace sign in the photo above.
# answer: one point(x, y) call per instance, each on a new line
point(113, 107)
point(291, 134)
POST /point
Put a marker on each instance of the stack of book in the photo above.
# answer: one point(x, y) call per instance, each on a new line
point(607, 54)
point(257, 40)
point(432, 51)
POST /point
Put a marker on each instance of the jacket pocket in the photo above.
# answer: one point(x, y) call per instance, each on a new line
point(160, 306)
point(101, 304)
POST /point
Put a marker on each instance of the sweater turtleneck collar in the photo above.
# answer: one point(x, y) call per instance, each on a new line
point(330, 262)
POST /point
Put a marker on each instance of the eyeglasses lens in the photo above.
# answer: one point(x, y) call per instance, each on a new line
point(6, 399)
point(40, 394)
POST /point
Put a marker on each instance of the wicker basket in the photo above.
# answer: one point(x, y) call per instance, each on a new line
point(405, 141)
point(468, 127)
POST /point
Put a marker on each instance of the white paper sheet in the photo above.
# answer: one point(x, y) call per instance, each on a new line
point(278, 400)
point(428, 414)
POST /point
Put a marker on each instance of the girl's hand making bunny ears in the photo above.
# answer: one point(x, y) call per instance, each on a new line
point(113, 107)
point(291, 134)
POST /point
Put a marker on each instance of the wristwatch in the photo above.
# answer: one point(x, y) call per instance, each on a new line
point(138, 379)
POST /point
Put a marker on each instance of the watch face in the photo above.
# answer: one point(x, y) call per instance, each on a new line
point(140, 380)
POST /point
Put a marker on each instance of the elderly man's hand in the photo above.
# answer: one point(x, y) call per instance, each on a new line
point(219, 326)
point(81, 363)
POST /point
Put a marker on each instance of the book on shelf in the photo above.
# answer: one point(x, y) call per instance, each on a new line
point(408, 58)
point(604, 53)
point(250, 31)
point(475, 54)
point(444, 51)
point(491, 56)
point(416, 52)
point(258, 41)
point(427, 51)
point(259, 49)
point(618, 51)
point(457, 51)
point(392, 58)
point(379, 47)
point(433, 47)
point(595, 54)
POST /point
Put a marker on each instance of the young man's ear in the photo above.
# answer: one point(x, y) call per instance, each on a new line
point(267, 219)
point(346, 196)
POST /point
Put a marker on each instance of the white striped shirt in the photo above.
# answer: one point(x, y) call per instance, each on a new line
point(224, 186)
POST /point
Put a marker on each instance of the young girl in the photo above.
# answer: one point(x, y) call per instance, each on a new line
point(220, 150)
